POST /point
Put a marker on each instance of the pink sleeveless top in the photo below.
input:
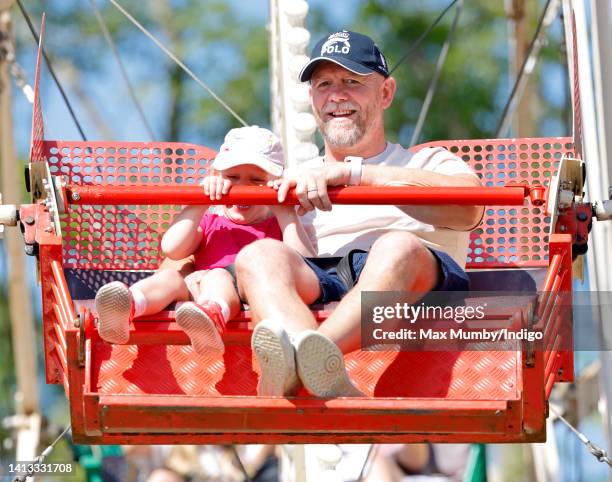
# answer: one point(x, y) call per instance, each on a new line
point(223, 239)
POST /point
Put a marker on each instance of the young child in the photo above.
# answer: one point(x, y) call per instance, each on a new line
point(250, 156)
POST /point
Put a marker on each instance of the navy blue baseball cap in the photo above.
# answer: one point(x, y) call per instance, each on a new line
point(353, 51)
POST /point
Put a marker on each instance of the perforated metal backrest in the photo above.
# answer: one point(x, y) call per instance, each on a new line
point(510, 236)
point(128, 237)
point(121, 237)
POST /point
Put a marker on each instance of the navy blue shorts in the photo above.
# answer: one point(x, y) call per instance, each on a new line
point(333, 288)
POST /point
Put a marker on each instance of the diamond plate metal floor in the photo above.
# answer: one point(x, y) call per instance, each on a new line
point(178, 370)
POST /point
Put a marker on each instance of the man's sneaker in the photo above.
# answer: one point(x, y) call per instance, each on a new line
point(276, 358)
point(115, 309)
point(204, 325)
point(321, 367)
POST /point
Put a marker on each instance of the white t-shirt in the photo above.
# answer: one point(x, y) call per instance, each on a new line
point(348, 227)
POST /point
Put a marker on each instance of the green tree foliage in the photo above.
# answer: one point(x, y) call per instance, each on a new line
point(227, 46)
point(474, 84)
point(7, 367)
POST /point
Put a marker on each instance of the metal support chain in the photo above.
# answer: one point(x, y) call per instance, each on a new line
point(549, 13)
point(41, 458)
point(596, 451)
point(436, 77)
point(176, 60)
point(241, 466)
point(421, 37)
point(115, 52)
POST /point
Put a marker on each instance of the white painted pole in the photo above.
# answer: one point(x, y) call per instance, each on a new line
point(27, 420)
point(293, 122)
point(292, 115)
point(601, 25)
point(276, 107)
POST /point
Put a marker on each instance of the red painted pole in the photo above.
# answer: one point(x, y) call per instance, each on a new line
point(404, 195)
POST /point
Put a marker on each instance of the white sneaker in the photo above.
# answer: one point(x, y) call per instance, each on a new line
point(276, 358)
point(321, 367)
point(115, 311)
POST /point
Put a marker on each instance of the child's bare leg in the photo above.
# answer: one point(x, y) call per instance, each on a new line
point(116, 304)
point(218, 285)
point(159, 290)
point(205, 321)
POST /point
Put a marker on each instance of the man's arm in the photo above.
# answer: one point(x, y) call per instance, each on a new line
point(311, 189)
point(461, 218)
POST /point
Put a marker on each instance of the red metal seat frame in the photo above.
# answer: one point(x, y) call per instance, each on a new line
point(76, 357)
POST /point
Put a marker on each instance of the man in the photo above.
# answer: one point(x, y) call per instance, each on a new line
point(406, 248)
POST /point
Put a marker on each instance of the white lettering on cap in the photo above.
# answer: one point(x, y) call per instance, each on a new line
point(336, 45)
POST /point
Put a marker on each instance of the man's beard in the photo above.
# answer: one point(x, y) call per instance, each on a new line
point(343, 132)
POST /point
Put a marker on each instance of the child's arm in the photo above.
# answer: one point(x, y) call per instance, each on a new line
point(185, 234)
point(294, 234)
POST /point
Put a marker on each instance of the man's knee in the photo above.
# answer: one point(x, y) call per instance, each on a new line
point(257, 256)
point(402, 255)
point(399, 247)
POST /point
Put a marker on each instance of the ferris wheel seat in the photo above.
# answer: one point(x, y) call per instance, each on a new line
point(156, 389)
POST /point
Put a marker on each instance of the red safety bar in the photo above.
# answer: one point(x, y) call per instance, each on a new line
point(466, 196)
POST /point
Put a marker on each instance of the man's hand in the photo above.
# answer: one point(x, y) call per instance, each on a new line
point(215, 186)
point(311, 185)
